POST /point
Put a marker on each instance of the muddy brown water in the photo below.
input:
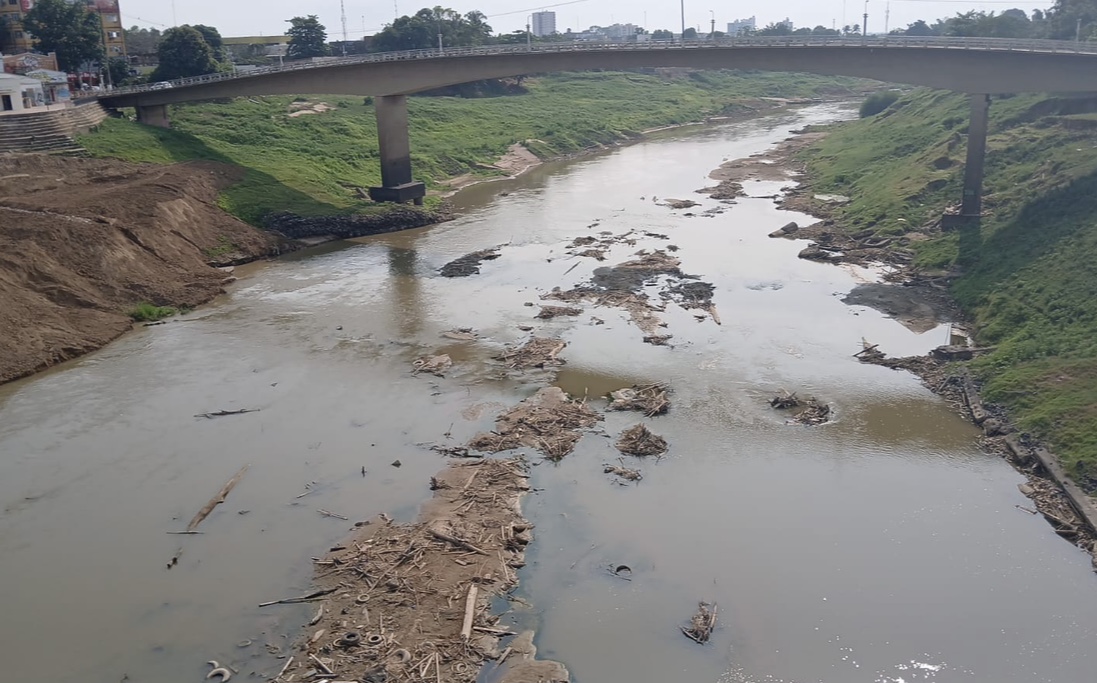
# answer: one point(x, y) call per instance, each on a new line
point(881, 548)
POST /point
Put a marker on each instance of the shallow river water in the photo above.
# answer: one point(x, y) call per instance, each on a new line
point(883, 547)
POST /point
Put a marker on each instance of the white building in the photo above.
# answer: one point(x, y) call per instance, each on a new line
point(741, 26)
point(18, 93)
point(544, 24)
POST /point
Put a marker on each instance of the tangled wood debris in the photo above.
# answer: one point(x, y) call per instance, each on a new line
point(548, 421)
point(549, 312)
point(815, 413)
point(224, 413)
point(639, 440)
point(461, 334)
point(623, 472)
point(650, 399)
point(679, 203)
point(538, 352)
point(435, 365)
point(411, 602)
point(469, 264)
point(785, 400)
point(701, 625)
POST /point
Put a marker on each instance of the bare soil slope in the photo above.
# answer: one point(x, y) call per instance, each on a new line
point(82, 241)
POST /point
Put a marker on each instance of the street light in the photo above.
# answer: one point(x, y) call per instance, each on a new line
point(712, 26)
point(864, 25)
point(529, 35)
point(683, 22)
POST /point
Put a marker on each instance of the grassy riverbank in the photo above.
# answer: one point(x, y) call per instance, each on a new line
point(312, 163)
point(1028, 276)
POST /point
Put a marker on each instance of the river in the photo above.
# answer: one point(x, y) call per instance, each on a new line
point(882, 547)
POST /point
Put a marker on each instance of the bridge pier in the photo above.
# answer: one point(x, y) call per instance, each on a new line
point(971, 204)
point(154, 115)
point(395, 147)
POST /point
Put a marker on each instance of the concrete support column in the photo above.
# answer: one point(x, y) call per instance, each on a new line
point(154, 115)
point(395, 147)
point(972, 203)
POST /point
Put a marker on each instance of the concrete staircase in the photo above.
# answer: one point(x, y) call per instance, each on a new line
point(49, 132)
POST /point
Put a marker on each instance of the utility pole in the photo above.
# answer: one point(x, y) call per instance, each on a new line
point(683, 21)
point(343, 13)
point(712, 27)
point(864, 25)
point(1078, 31)
point(887, 16)
point(529, 34)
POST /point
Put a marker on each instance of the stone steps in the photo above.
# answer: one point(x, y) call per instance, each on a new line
point(49, 132)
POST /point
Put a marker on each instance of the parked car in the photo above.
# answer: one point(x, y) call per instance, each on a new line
point(162, 85)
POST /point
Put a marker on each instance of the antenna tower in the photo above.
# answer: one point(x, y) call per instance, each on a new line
point(343, 11)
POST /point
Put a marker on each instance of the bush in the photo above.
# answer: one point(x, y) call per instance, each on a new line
point(878, 102)
point(145, 312)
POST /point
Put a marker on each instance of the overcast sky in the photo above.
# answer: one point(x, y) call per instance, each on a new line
point(267, 17)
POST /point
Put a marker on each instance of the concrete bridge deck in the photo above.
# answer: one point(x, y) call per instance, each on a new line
point(978, 66)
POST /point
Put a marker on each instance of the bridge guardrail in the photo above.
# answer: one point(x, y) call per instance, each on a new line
point(987, 44)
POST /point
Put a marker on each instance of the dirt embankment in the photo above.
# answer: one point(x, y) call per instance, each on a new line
point(82, 241)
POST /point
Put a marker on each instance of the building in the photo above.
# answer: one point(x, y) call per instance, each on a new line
point(742, 26)
point(18, 93)
point(110, 18)
point(15, 39)
point(787, 23)
point(543, 24)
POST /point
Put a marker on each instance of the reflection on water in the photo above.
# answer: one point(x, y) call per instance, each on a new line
point(882, 546)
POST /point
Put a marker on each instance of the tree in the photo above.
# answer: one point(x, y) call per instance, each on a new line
point(213, 38)
point(142, 41)
point(919, 28)
point(420, 31)
point(70, 30)
point(119, 70)
point(307, 38)
point(775, 30)
point(662, 34)
point(689, 34)
point(184, 52)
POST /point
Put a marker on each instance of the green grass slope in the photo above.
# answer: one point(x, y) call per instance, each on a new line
point(1028, 275)
point(310, 164)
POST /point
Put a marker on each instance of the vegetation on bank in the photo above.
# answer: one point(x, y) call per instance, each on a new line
point(145, 312)
point(313, 163)
point(1028, 275)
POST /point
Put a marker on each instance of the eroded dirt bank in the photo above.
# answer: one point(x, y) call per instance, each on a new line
point(82, 241)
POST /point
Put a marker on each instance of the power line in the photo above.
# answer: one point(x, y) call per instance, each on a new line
point(533, 9)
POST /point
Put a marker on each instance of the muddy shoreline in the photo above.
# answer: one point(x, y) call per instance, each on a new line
point(919, 301)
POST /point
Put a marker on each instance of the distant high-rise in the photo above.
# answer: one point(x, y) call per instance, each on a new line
point(18, 40)
point(741, 26)
point(544, 24)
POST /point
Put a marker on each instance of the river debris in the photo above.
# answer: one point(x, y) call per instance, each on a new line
point(435, 365)
point(702, 623)
point(726, 192)
point(785, 400)
point(538, 352)
point(469, 264)
point(639, 440)
point(623, 472)
point(548, 421)
point(693, 295)
point(461, 334)
point(814, 413)
point(650, 399)
point(315, 595)
point(411, 602)
point(658, 339)
point(549, 312)
point(218, 671)
point(217, 499)
point(454, 451)
point(678, 203)
point(328, 513)
point(224, 413)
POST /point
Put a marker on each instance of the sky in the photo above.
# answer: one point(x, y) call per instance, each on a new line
point(267, 17)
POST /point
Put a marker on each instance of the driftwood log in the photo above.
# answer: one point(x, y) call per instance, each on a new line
point(218, 499)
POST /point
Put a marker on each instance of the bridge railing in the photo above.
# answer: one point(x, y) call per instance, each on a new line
point(892, 42)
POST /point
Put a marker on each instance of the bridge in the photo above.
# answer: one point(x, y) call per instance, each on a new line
point(977, 66)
